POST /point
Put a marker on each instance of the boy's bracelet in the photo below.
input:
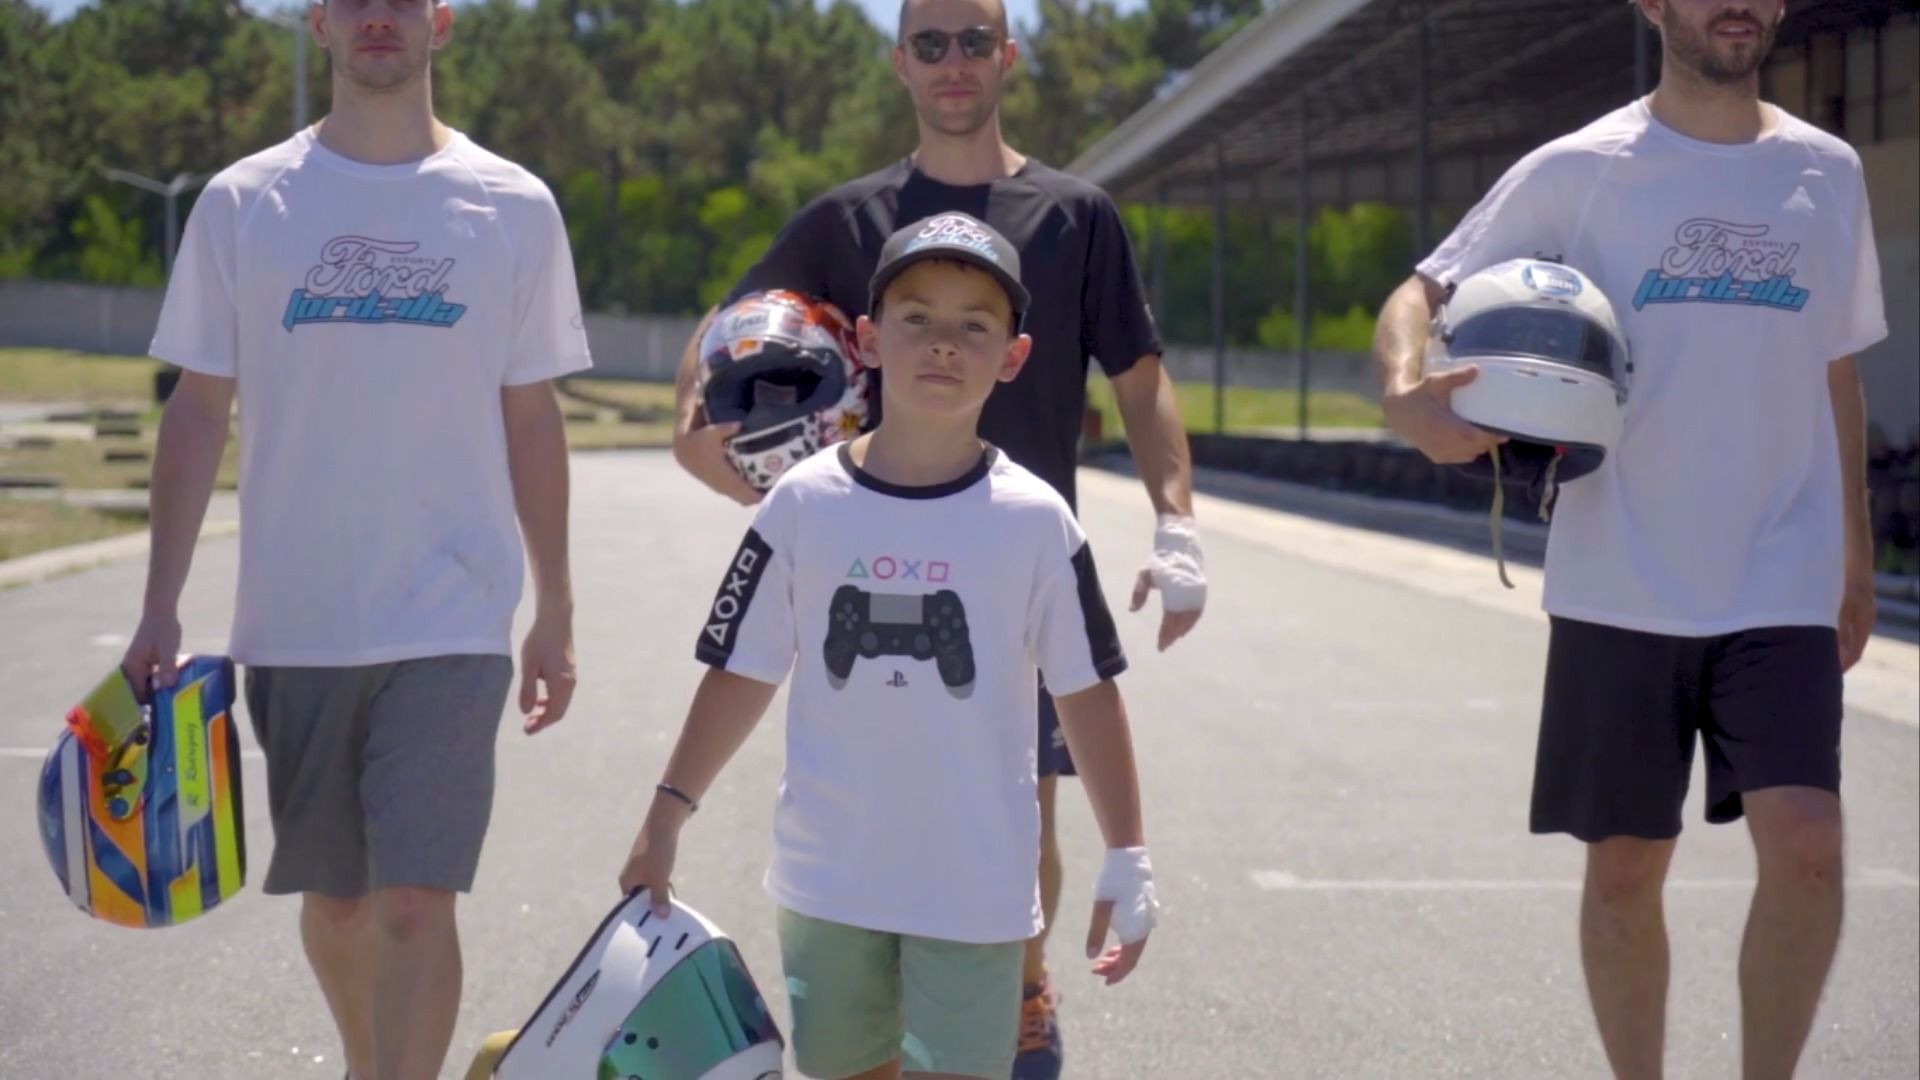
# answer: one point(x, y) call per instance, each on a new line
point(669, 789)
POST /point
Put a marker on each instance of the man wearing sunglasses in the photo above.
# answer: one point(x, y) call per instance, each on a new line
point(953, 57)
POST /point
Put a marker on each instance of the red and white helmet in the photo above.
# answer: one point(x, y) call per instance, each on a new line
point(787, 369)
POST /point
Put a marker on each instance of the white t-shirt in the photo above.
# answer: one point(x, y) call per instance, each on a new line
point(1738, 273)
point(371, 315)
point(917, 616)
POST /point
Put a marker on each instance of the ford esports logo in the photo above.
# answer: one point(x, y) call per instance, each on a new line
point(952, 230)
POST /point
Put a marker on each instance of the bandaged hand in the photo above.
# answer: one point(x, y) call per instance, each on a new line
point(1123, 902)
point(1178, 570)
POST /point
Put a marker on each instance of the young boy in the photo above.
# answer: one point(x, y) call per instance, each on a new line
point(918, 577)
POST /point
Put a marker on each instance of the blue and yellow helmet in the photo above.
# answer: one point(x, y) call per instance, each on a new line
point(140, 805)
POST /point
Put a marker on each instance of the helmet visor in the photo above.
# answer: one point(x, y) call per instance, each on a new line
point(705, 1011)
point(1554, 333)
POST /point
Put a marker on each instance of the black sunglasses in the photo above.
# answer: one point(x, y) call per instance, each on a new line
point(976, 43)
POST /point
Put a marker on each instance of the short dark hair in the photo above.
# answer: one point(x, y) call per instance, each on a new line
point(1000, 23)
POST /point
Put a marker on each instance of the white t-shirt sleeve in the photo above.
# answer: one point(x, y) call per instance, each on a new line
point(551, 337)
point(199, 328)
point(749, 629)
point(1070, 630)
point(1522, 217)
point(1863, 315)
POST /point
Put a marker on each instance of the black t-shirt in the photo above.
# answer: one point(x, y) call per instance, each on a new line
point(1075, 259)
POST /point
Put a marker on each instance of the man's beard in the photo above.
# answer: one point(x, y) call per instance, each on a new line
point(963, 123)
point(386, 78)
point(1696, 51)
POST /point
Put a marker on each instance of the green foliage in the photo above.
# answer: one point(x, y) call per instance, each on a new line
point(677, 135)
point(1348, 332)
point(112, 249)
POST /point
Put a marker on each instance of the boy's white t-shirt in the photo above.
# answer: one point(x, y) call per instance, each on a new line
point(1738, 273)
point(908, 803)
point(372, 315)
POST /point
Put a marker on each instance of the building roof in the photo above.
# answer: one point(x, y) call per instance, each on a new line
point(1503, 77)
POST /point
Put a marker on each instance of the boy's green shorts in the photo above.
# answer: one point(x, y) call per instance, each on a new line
point(863, 997)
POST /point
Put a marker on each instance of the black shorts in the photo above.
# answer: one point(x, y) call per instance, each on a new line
point(1054, 758)
point(1623, 710)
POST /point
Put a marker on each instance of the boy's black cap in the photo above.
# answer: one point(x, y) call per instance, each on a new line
point(955, 237)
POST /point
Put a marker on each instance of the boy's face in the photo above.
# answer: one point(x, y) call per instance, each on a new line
point(944, 339)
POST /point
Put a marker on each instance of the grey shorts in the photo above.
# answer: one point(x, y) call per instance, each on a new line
point(378, 776)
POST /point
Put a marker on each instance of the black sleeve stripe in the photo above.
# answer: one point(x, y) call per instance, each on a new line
point(730, 604)
point(1103, 638)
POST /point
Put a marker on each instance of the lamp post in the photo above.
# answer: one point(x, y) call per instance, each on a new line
point(296, 21)
point(172, 189)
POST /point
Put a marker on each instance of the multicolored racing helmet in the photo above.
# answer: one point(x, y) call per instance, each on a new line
point(787, 369)
point(140, 807)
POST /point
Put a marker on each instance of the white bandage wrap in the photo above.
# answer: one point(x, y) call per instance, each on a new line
point(1127, 880)
point(1178, 568)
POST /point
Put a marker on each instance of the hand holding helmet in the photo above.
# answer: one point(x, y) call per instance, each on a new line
point(1551, 370)
point(782, 373)
point(140, 807)
point(1551, 364)
point(1422, 412)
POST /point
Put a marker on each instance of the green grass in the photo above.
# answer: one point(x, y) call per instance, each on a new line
point(30, 525)
point(1247, 409)
point(618, 435)
point(603, 414)
point(655, 399)
point(82, 465)
point(83, 378)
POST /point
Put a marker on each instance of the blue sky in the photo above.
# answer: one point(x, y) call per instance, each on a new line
point(883, 11)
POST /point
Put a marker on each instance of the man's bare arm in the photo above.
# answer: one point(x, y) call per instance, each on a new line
point(1415, 403)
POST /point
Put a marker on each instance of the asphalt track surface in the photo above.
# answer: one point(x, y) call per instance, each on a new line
point(1335, 765)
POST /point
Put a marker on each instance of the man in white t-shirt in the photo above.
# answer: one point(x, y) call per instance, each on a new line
point(390, 303)
point(910, 587)
point(1713, 579)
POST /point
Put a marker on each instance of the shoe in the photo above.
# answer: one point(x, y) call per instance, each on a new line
point(1039, 1054)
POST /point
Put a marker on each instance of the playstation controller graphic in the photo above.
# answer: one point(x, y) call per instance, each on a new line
point(924, 626)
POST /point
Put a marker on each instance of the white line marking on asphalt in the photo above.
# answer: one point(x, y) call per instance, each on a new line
point(1281, 881)
point(32, 753)
point(109, 641)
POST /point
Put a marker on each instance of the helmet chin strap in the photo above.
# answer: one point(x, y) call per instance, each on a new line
point(1499, 511)
point(1547, 492)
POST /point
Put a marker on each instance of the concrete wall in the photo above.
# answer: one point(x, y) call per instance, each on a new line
point(1351, 372)
point(91, 318)
point(644, 347)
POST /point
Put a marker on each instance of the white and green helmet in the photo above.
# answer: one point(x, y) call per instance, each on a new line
point(659, 998)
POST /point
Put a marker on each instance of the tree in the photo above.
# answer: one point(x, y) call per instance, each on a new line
point(677, 135)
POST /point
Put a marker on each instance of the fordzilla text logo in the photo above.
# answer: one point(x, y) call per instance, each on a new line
point(363, 280)
point(1718, 262)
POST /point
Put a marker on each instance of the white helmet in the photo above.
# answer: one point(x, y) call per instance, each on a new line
point(787, 369)
point(666, 999)
point(1553, 365)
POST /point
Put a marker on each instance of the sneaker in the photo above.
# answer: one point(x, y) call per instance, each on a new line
point(1039, 1054)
